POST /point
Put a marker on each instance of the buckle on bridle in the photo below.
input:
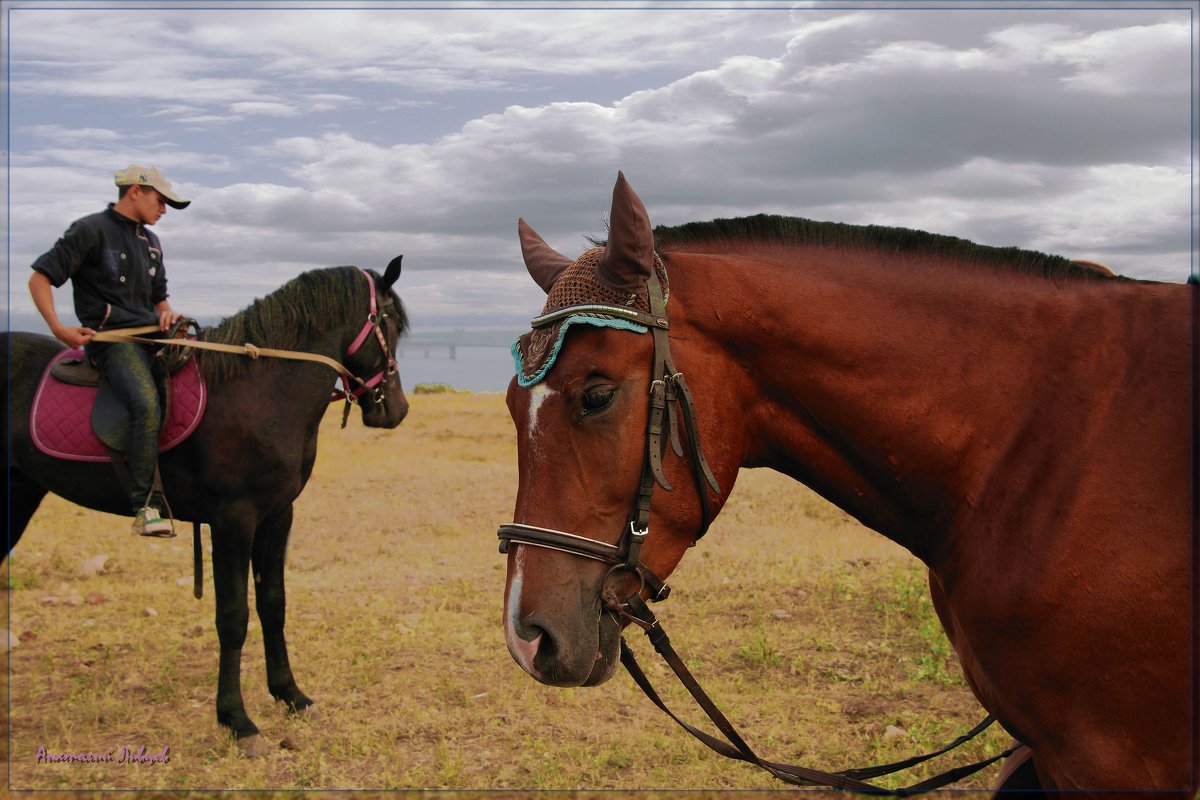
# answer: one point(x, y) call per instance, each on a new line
point(633, 546)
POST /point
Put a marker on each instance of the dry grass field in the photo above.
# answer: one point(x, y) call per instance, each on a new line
point(814, 635)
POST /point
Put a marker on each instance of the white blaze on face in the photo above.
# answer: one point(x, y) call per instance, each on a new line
point(537, 395)
point(524, 651)
point(521, 650)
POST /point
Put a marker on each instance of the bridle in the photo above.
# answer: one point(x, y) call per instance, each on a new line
point(376, 314)
point(668, 389)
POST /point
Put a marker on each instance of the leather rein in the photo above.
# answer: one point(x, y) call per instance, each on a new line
point(668, 389)
point(373, 324)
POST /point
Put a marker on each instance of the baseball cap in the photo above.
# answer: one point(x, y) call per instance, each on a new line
point(149, 176)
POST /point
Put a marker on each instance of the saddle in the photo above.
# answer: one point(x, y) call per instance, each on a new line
point(76, 416)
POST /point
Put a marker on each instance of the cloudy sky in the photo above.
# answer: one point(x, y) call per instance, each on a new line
point(323, 135)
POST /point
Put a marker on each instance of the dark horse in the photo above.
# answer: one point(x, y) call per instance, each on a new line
point(250, 456)
point(1018, 423)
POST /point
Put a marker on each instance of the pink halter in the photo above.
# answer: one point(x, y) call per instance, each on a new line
point(372, 324)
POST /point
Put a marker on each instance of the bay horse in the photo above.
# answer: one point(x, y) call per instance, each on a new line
point(250, 456)
point(1020, 424)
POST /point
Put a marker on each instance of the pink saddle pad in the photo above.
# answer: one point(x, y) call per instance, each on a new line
point(61, 421)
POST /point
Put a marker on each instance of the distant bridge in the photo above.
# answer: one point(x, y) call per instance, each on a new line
point(449, 341)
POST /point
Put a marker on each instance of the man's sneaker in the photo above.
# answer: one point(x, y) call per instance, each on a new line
point(147, 522)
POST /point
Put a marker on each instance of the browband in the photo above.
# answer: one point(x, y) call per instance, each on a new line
point(631, 314)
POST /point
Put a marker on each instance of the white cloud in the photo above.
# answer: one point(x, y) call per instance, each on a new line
point(268, 108)
point(62, 135)
point(350, 136)
point(1128, 62)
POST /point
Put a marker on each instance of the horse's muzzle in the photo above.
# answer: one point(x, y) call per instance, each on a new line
point(556, 658)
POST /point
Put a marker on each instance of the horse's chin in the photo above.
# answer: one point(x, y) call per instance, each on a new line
point(608, 654)
point(605, 668)
point(384, 415)
point(607, 657)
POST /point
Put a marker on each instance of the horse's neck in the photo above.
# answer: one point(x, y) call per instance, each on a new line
point(893, 391)
point(302, 387)
point(316, 380)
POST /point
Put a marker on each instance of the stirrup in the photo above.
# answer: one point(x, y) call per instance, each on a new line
point(147, 522)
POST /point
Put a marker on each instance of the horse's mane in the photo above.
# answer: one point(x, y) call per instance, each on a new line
point(289, 318)
point(775, 229)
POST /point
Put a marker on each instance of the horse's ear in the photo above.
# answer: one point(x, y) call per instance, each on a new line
point(628, 258)
point(391, 273)
point(544, 263)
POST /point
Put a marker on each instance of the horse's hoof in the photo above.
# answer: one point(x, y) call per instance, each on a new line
point(308, 713)
point(253, 747)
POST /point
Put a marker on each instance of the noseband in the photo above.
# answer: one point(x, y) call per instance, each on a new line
point(667, 389)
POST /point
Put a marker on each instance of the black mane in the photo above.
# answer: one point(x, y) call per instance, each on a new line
point(289, 317)
point(772, 228)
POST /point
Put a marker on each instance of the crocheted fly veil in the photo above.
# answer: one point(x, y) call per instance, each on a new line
point(579, 297)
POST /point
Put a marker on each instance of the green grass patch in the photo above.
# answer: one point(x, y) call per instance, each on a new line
point(438, 388)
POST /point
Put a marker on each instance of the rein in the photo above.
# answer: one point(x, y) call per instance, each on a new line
point(374, 318)
point(735, 747)
point(668, 389)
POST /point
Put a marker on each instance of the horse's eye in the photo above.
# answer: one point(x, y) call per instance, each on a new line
point(598, 398)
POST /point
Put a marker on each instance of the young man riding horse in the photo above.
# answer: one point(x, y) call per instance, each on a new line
point(115, 265)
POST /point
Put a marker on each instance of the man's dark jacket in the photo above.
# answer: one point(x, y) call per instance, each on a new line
point(115, 266)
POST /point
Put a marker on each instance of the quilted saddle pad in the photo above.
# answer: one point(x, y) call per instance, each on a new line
point(61, 419)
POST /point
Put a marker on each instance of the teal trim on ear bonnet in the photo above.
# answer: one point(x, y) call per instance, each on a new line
point(586, 319)
point(535, 353)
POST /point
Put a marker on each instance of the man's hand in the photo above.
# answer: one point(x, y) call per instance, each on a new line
point(73, 337)
point(43, 298)
point(167, 317)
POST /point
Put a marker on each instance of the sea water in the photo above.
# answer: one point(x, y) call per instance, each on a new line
point(478, 369)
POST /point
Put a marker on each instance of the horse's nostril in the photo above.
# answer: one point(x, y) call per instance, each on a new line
point(525, 643)
point(547, 647)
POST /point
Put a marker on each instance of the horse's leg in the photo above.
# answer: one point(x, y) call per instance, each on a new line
point(270, 546)
point(1017, 774)
point(232, 540)
point(24, 497)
